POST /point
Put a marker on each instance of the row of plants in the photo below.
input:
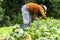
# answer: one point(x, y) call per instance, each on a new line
point(39, 30)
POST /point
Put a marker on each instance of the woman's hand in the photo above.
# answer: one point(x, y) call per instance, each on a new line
point(37, 18)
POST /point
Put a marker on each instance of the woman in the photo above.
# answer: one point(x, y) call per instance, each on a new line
point(32, 7)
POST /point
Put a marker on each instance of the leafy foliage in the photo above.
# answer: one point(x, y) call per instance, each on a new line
point(10, 10)
point(1, 12)
point(54, 6)
point(45, 29)
point(39, 30)
point(5, 31)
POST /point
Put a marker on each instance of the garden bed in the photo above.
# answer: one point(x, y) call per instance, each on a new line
point(39, 30)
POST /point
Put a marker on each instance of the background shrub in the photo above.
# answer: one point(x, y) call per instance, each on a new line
point(10, 10)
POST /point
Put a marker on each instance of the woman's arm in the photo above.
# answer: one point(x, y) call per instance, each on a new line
point(42, 12)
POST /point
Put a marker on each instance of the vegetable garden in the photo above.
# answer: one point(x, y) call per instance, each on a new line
point(39, 30)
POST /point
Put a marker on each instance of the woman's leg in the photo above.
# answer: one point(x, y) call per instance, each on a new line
point(26, 15)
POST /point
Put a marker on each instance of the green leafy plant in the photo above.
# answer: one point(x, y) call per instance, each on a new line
point(39, 30)
point(17, 34)
point(1, 10)
point(5, 31)
point(45, 29)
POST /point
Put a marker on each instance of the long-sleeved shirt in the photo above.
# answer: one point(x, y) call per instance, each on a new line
point(33, 7)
